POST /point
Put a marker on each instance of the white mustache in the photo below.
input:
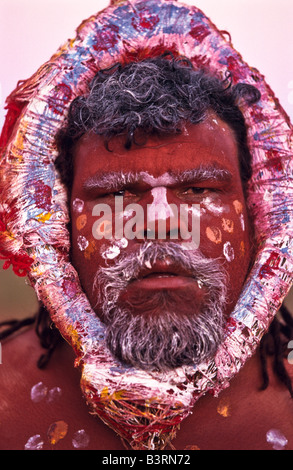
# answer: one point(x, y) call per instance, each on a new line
point(168, 340)
point(129, 266)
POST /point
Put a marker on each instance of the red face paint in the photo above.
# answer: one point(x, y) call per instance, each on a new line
point(221, 201)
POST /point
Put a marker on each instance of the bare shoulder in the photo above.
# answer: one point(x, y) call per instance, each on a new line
point(18, 353)
point(243, 416)
point(45, 406)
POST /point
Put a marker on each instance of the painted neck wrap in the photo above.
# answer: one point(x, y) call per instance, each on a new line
point(145, 409)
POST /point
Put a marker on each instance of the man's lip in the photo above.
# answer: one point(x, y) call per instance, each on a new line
point(159, 281)
point(163, 269)
point(163, 275)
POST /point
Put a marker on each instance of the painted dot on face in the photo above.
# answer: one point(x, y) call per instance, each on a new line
point(212, 207)
point(242, 248)
point(111, 252)
point(81, 221)
point(122, 243)
point(214, 234)
point(228, 252)
point(242, 222)
point(228, 225)
point(90, 249)
point(77, 205)
point(238, 207)
point(82, 242)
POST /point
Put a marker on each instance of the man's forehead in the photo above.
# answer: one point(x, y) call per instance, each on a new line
point(190, 133)
point(155, 158)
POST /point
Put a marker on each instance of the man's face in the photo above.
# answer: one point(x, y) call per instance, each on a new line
point(134, 284)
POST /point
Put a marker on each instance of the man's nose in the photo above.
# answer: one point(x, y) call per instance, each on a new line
point(161, 215)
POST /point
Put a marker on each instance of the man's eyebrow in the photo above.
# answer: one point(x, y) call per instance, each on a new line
point(204, 173)
point(112, 181)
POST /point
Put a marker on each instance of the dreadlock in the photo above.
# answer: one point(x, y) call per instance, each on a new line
point(275, 343)
point(46, 331)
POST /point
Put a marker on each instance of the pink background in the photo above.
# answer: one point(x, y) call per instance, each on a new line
point(32, 30)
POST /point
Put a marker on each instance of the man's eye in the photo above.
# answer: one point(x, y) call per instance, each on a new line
point(116, 193)
point(195, 190)
point(121, 192)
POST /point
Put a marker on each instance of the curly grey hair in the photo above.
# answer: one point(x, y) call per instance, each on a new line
point(157, 95)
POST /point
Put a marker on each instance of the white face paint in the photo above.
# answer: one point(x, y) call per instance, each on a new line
point(77, 205)
point(277, 439)
point(228, 252)
point(123, 243)
point(162, 180)
point(114, 250)
point(211, 206)
point(160, 209)
point(82, 242)
point(127, 214)
point(111, 252)
point(196, 210)
point(242, 222)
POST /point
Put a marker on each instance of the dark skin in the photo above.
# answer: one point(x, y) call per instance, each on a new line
point(223, 218)
point(242, 414)
point(252, 412)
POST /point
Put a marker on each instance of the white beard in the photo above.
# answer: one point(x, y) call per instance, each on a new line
point(146, 400)
point(148, 332)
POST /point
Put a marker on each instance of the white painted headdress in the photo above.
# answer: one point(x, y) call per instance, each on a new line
point(34, 214)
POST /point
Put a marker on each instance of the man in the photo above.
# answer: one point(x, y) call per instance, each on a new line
point(179, 160)
point(157, 135)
